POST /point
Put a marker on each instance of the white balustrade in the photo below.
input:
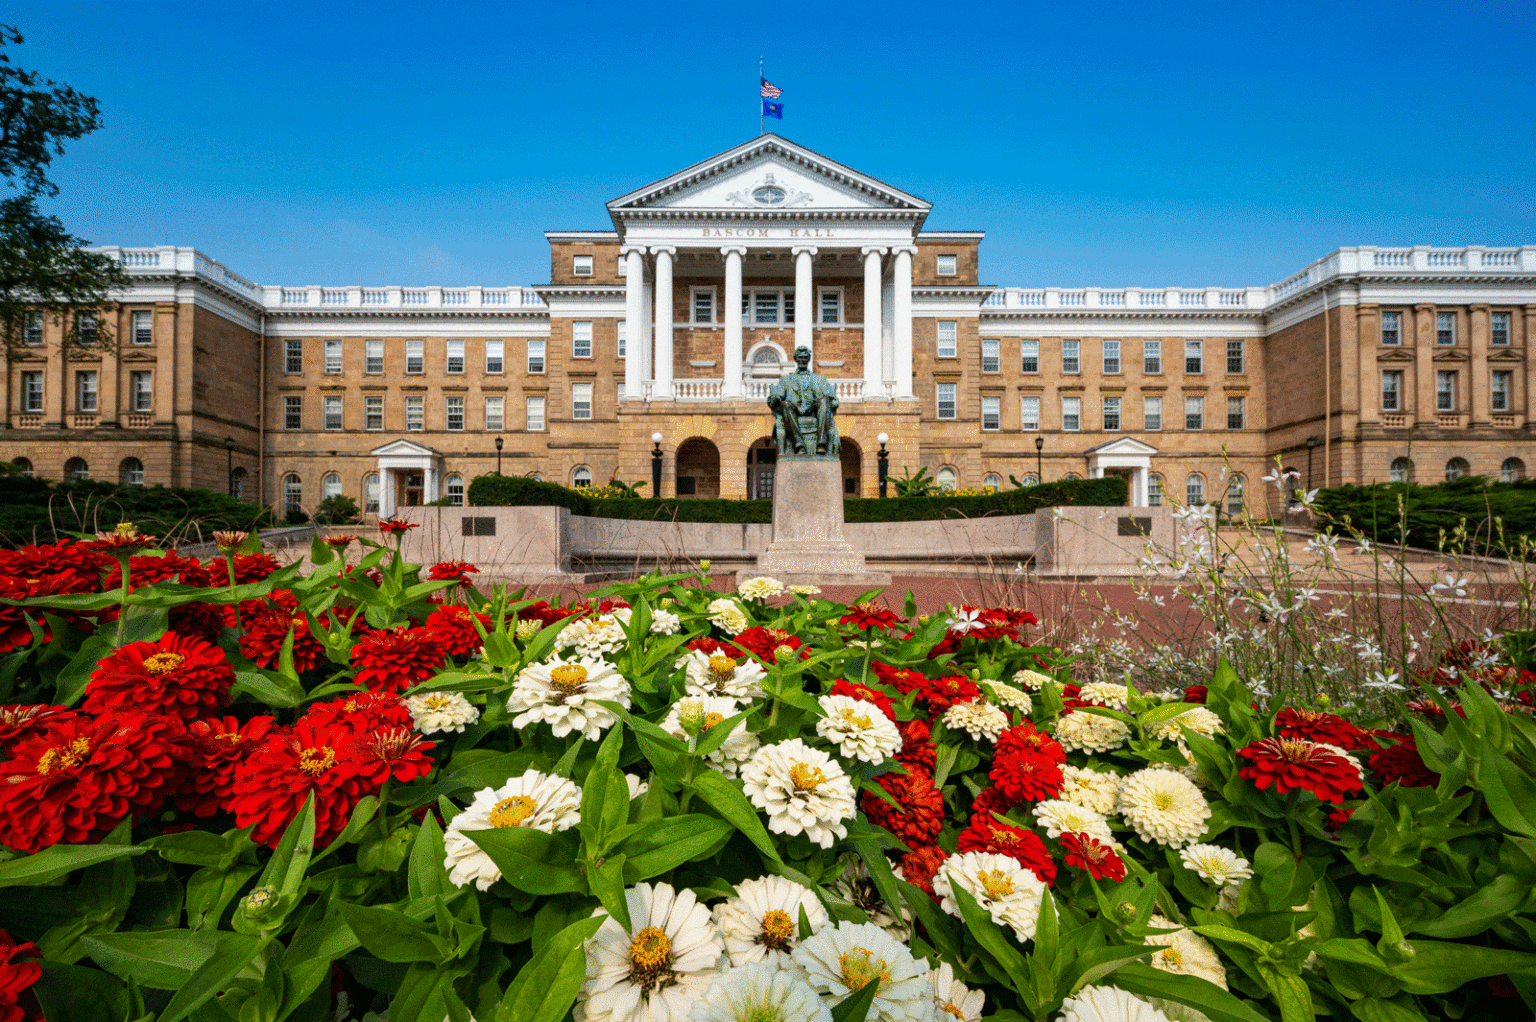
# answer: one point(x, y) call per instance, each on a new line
point(455, 297)
point(1401, 259)
point(375, 297)
point(295, 296)
point(1146, 298)
point(493, 298)
point(414, 297)
point(1112, 298)
point(1234, 298)
point(531, 297)
point(698, 390)
point(997, 298)
point(139, 260)
point(1443, 260)
point(330, 297)
point(1291, 285)
point(1072, 298)
point(1191, 297)
point(1510, 257)
point(1031, 297)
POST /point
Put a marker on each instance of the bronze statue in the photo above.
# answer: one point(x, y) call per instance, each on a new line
point(803, 404)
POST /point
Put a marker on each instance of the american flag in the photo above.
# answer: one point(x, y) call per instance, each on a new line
point(770, 90)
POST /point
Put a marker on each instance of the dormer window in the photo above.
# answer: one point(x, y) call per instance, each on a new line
point(946, 266)
point(581, 266)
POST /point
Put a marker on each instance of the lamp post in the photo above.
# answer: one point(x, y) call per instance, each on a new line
point(1039, 471)
point(1312, 442)
point(499, 442)
point(656, 466)
point(229, 465)
point(884, 458)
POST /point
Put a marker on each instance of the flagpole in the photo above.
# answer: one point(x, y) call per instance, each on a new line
point(759, 99)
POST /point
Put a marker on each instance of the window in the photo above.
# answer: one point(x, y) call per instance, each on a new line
point(454, 488)
point(143, 327)
point(703, 305)
point(1029, 413)
point(946, 266)
point(581, 266)
point(1072, 413)
point(1445, 328)
point(76, 470)
point(1235, 356)
point(581, 478)
point(1155, 491)
point(1502, 381)
point(948, 338)
point(141, 387)
point(1445, 392)
point(237, 483)
point(1029, 361)
point(1071, 362)
point(1152, 357)
point(373, 356)
point(1071, 477)
point(946, 478)
point(991, 355)
point(332, 357)
point(495, 413)
point(946, 400)
point(1111, 413)
point(992, 482)
point(831, 305)
point(1498, 329)
point(581, 400)
point(293, 493)
point(415, 414)
point(1391, 328)
point(494, 353)
point(1194, 491)
point(1194, 413)
point(1030, 480)
point(1152, 413)
point(293, 357)
point(330, 486)
point(333, 411)
point(535, 356)
point(1391, 390)
point(623, 338)
point(34, 328)
point(455, 413)
point(85, 391)
point(293, 412)
point(1111, 357)
point(455, 351)
point(535, 419)
point(1401, 470)
point(415, 356)
point(1237, 412)
point(1512, 469)
point(373, 412)
point(991, 413)
point(131, 472)
point(1235, 495)
point(371, 493)
point(581, 339)
point(32, 392)
point(1456, 468)
point(87, 327)
point(1194, 360)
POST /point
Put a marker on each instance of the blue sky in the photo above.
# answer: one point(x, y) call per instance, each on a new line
point(1097, 144)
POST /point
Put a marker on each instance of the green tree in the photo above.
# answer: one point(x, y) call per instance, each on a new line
point(45, 270)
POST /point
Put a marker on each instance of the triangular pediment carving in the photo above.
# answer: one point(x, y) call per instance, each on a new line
point(405, 449)
point(1395, 355)
point(1124, 445)
point(1505, 355)
point(1451, 355)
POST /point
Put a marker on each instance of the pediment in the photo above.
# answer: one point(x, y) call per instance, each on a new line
point(1450, 355)
point(1395, 355)
point(1505, 355)
point(405, 449)
point(1124, 445)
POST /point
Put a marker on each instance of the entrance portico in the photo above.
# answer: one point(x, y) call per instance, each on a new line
point(1127, 457)
point(409, 474)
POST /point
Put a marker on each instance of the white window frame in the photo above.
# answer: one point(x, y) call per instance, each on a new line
point(32, 391)
point(1110, 357)
point(331, 411)
point(836, 294)
point(373, 356)
point(946, 342)
point(533, 411)
point(991, 481)
point(991, 355)
point(621, 331)
point(293, 411)
point(495, 413)
point(1400, 471)
point(453, 413)
point(1029, 414)
point(34, 329)
point(783, 308)
point(946, 478)
point(1237, 356)
point(1152, 413)
point(1194, 490)
point(1194, 355)
point(1511, 469)
point(371, 493)
point(707, 293)
point(415, 356)
point(1236, 486)
point(143, 329)
point(133, 472)
point(1194, 412)
point(1071, 356)
point(581, 338)
point(1445, 329)
point(991, 413)
point(581, 477)
point(1391, 329)
point(1152, 357)
point(582, 265)
point(581, 401)
point(946, 265)
point(293, 357)
point(373, 412)
point(330, 486)
point(1391, 390)
point(333, 358)
point(945, 400)
point(87, 390)
point(453, 352)
point(1071, 414)
point(1500, 327)
point(1501, 384)
point(415, 413)
point(1237, 412)
point(1445, 391)
point(87, 328)
point(141, 386)
point(1154, 490)
point(495, 357)
point(453, 489)
point(537, 360)
point(1029, 355)
point(1111, 414)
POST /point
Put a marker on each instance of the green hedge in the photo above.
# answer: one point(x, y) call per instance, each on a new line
point(1382, 510)
point(34, 510)
point(1091, 492)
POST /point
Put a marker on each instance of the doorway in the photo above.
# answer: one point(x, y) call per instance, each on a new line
point(413, 488)
point(762, 458)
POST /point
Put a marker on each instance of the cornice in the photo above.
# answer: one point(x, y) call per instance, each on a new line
point(1192, 312)
point(667, 214)
point(375, 312)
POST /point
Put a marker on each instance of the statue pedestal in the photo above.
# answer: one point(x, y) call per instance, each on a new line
point(808, 544)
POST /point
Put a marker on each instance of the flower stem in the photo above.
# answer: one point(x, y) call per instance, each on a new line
point(122, 599)
point(1290, 818)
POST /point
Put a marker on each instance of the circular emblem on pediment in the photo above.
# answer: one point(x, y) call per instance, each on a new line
point(768, 195)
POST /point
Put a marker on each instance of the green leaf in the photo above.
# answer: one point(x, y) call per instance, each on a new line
point(234, 953)
point(269, 688)
point(727, 800)
point(161, 959)
point(285, 870)
point(1201, 994)
point(607, 882)
point(992, 939)
point(855, 1007)
point(532, 860)
point(362, 814)
point(427, 875)
point(1485, 907)
point(545, 988)
point(59, 860)
point(391, 935)
point(665, 844)
point(1376, 1009)
point(1505, 786)
point(80, 994)
point(1438, 967)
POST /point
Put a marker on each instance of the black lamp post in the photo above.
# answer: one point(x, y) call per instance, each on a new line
point(1039, 471)
point(1312, 442)
point(499, 442)
point(229, 464)
point(884, 458)
point(656, 465)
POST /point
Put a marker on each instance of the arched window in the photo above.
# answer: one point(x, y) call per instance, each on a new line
point(76, 470)
point(371, 493)
point(1070, 477)
point(237, 484)
point(330, 486)
point(1235, 495)
point(456, 491)
point(1512, 469)
point(946, 478)
point(1194, 490)
point(1401, 471)
point(535, 477)
point(293, 493)
point(23, 466)
point(1293, 488)
point(581, 478)
point(1456, 468)
point(1031, 480)
point(131, 472)
point(1154, 491)
point(991, 481)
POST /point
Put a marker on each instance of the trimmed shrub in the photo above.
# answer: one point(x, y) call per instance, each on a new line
point(521, 491)
point(1402, 512)
point(35, 510)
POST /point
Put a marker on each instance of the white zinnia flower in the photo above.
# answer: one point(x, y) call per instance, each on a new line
point(760, 993)
point(592, 636)
point(841, 959)
point(637, 787)
point(1098, 790)
point(1032, 680)
point(858, 728)
point(710, 711)
point(762, 923)
point(658, 969)
point(1163, 806)
point(727, 615)
point(1089, 732)
point(715, 674)
point(1188, 953)
point(857, 889)
point(1007, 695)
point(1059, 817)
point(977, 719)
point(1108, 1004)
point(1197, 718)
point(760, 588)
point(664, 622)
point(1217, 864)
point(564, 693)
point(536, 801)
point(802, 790)
point(953, 998)
point(1007, 891)
point(1107, 693)
point(432, 712)
point(803, 589)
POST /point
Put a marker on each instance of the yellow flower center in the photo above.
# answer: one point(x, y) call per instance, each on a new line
point(858, 969)
point(950, 1009)
point(1173, 956)
point(997, 885)
point(1163, 800)
point(711, 719)
point(439, 701)
point(315, 762)
point(778, 930)
point(856, 719)
point(511, 812)
point(163, 663)
point(806, 777)
point(62, 757)
point(567, 680)
point(783, 652)
point(650, 959)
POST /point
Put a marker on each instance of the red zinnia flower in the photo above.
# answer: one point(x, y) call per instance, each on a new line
point(71, 567)
point(542, 611)
point(939, 694)
point(16, 722)
point(987, 834)
point(766, 643)
point(856, 690)
point(453, 629)
point(363, 712)
point(1317, 726)
point(992, 800)
point(1023, 740)
point(917, 749)
point(1091, 856)
point(275, 779)
point(1338, 817)
point(396, 752)
point(338, 542)
point(1294, 763)
point(1023, 778)
point(15, 633)
point(19, 969)
point(148, 570)
point(175, 675)
point(204, 621)
point(457, 571)
point(1018, 617)
point(80, 778)
point(396, 659)
point(267, 630)
point(870, 615)
point(219, 746)
point(390, 526)
point(918, 815)
point(1403, 764)
point(248, 568)
point(921, 865)
point(1195, 694)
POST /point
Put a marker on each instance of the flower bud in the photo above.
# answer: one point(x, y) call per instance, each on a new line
point(1125, 911)
point(692, 718)
point(704, 564)
point(230, 539)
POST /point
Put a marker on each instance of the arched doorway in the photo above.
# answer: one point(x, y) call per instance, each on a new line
point(853, 469)
point(762, 458)
point(698, 468)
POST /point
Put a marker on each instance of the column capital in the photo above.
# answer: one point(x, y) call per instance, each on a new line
point(628, 249)
point(897, 250)
point(800, 250)
point(670, 250)
point(740, 250)
point(873, 250)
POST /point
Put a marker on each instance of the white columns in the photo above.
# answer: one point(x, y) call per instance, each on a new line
point(662, 389)
point(805, 298)
point(874, 363)
point(429, 480)
point(386, 493)
point(730, 313)
point(902, 315)
point(634, 317)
